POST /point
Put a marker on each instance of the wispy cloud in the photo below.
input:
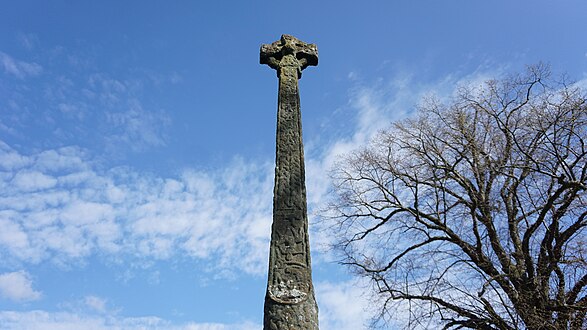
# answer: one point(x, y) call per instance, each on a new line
point(42, 320)
point(56, 205)
point(28, 40)
point(137, 128)
point(10, 159)
point(96, 303)
point(80, 104)
point(373, 106)
point(343, 305)
point(17, 68)
point(18, 287)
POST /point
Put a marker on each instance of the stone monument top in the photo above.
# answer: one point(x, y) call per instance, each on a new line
point(302, 54)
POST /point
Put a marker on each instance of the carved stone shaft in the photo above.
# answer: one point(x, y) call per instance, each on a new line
point(289, 302)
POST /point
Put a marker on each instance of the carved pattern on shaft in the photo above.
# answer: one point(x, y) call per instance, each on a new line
point(289, 302)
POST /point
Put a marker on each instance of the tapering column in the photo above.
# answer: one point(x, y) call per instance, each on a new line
point(289, 301)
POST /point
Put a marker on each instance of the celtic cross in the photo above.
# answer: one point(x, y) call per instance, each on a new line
point(289, 301)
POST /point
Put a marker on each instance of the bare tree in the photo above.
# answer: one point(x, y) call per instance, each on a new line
point(473, 212)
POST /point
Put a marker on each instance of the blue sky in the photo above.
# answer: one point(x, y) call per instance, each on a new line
point(137, 142)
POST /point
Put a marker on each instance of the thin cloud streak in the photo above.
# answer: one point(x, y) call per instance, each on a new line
point(42, 320)
point(17, 68)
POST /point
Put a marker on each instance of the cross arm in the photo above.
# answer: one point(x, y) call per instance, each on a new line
point(306, 54)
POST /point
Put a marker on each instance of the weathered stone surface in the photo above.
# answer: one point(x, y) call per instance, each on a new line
point(289, 301)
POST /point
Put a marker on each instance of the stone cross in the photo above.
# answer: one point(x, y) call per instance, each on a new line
point(289, 300)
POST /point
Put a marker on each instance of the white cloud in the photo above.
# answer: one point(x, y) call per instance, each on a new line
point(66, 158)
point(9, 159)
point(136, 127)
point(17, 286)
point(96, 303)
point(42, 320)
point(33, 180)
point(58, 206)
point(14, 238)
point(84, 213)
point(342, 305)
point(19, 69)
